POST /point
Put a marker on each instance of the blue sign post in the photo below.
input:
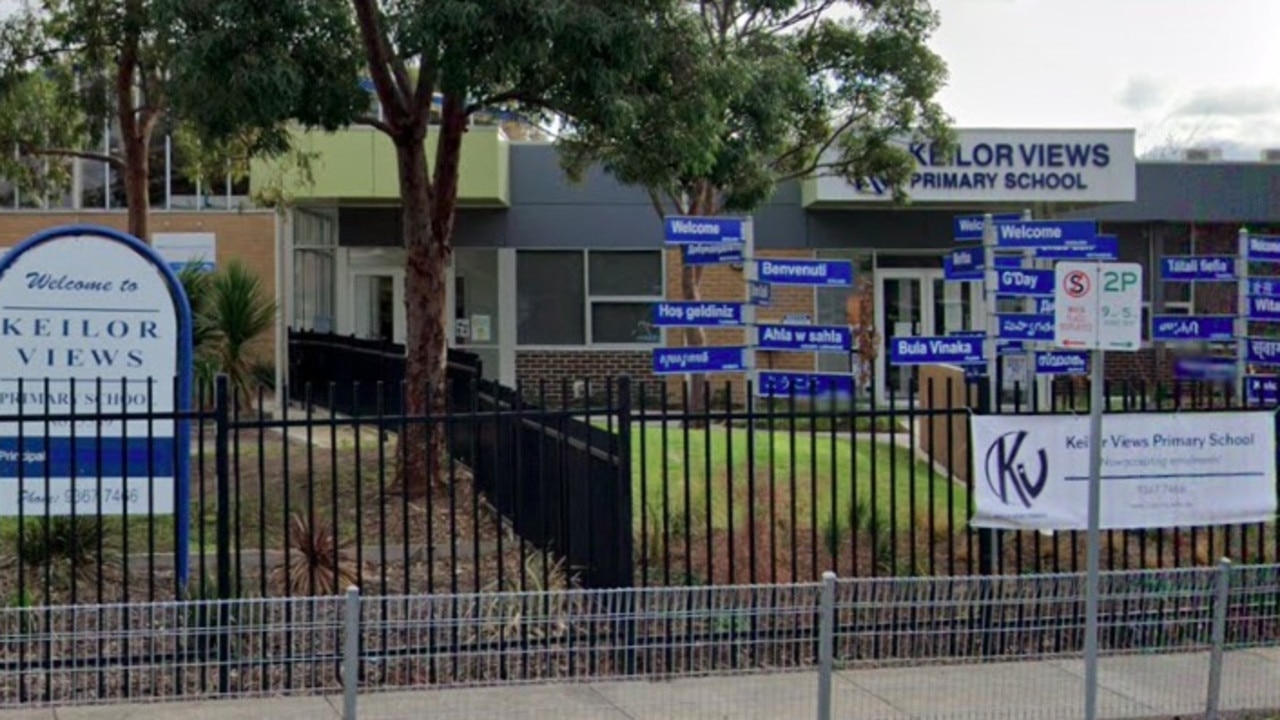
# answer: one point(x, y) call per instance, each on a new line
point(1025, 283)
point(1025, 326)
point(1103, 247)
point(1198, 268)
point(705, 230)
point(833, 273)
point(968, 228)
point(1209, 368)
point(773, 383)
point(1064, 362)
point(805, 338)
point(676, 361)
point(1045, 233)
point(1210, 328)
point(1264, 309)
point(725, 254)
point(697, 314)
point(953, 350)
point(1262, 389)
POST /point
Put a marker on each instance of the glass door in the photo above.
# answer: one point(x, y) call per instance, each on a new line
point(904, 299)
point(919, 303)
point(374, 302)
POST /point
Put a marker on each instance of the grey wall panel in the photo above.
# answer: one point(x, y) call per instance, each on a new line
point(1204, 192)
point(883, 230)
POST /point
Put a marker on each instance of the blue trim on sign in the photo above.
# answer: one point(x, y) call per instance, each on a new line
point(182, 403)
point(88, 457)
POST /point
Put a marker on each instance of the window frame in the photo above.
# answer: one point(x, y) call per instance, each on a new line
point(590, 300)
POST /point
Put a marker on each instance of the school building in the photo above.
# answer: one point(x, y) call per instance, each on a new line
point(552, 279)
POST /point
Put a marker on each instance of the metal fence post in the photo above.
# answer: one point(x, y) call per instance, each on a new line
point(350, 653)
point(222, 473)
point(1221, 599)
point(826, 644)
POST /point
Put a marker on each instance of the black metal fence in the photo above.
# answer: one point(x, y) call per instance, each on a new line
point(638, 489)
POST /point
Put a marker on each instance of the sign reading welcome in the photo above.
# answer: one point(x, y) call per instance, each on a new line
point(1007, 166)
point(92, 323)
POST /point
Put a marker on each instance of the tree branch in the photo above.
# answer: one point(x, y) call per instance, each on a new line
point(426, 85)
point(374, 123)
point(822, 148)
point(379, 56)
point(114, 161)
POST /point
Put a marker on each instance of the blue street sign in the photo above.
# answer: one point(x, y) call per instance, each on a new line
point(969, 227)
point(726, 254)
point(1103, 247)
point(1266, 309)
point(1024, 326)
point(975, 371)
point(1062, 362)
point(1191, 268)
point(1264, 288)
point(1045, 233)
point(1206, 368)
point(759, 293)
point(703, 230)
point(833, 338)
point(928, 350)
point(1214, 328)
point(1024, 283)
point(1262, 389)
point(669, 361)
point(801, 384)
point(838, 273)
point(966, 264)
point(1044, 305)
point(1264, 248)
point(1003, 347)
point(697, 314)
point(1263, 352)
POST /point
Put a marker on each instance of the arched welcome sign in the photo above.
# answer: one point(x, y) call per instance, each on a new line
point(95, 380)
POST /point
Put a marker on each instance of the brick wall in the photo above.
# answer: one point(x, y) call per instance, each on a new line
point(543, 372)
point(247, 236)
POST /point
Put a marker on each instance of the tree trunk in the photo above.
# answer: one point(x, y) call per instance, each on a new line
point(426, 261)
point(691, 290)
point(137, 181)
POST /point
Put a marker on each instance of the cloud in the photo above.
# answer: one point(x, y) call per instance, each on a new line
point(1142, 93)
point(1236, 101)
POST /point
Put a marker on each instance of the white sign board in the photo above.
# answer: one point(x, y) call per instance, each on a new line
point(1097, 306)
point(181, 249)
point(1158, 470)
point(81, 306)
point(1006, 166)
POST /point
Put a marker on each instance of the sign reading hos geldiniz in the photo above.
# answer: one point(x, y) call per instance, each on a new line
point(95, 358)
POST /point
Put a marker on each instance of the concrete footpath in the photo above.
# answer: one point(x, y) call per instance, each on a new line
point(1136, 686)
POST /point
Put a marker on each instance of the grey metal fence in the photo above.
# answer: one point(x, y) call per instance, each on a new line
point(1174, 642)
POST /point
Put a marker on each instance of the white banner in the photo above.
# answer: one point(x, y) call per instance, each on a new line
point(1158, 470)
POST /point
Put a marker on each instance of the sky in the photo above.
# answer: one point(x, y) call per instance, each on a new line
point(1182, 73)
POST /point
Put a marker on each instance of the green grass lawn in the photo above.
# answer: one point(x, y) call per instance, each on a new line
point(815, 473)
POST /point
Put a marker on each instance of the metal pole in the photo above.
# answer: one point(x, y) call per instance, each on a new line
point(1242, 311)
point(989, 284)
point(1220, 600)
point(826, 644)
point(1030, 305)
point(750, 334)
point(351, 653)
point(1093, 539)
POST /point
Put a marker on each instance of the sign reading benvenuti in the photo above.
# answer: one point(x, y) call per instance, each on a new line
point(94, 328)
point(1006, 166)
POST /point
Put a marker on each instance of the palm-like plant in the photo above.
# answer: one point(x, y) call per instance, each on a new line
point(229, 311)
point(198, 284)
point(242, 312)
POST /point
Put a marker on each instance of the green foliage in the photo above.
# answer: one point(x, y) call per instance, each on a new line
point(230, 310)
point(752, 93)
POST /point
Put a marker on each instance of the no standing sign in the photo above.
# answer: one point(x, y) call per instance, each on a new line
point(1097, 306)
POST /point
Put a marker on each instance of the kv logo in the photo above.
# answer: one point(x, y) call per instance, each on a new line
point(1006, 468)
point(1076, 283)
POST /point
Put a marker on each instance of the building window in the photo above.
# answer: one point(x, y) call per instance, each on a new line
point(314, 237)
point(588, 297)
point(622, 288)
point(550, 292)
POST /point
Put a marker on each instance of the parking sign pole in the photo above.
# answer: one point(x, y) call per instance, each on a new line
point(1093, 539)
point(989, 284)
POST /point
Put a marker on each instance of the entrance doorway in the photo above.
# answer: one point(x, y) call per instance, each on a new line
point(918, 302)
